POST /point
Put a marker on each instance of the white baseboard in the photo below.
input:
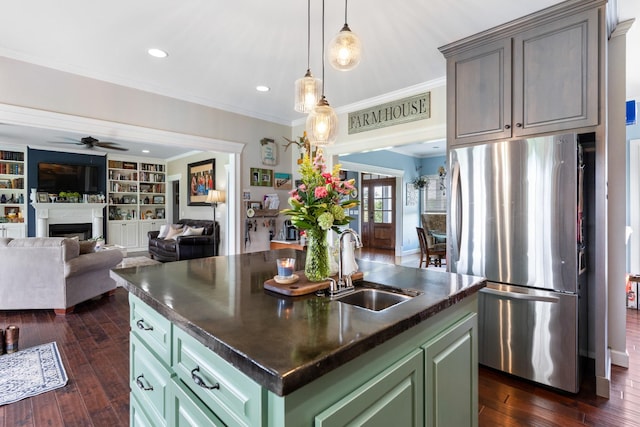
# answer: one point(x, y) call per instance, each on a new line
point(603, 384)
point(620, 358)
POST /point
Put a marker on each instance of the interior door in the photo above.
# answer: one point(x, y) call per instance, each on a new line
point(378, 213)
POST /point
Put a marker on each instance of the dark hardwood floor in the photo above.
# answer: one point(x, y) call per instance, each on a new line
point(93, 343)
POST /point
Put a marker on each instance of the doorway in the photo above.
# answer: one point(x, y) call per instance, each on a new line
point(378, 198)
point(176, 201)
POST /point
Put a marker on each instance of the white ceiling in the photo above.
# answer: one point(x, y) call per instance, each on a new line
point(220, 50)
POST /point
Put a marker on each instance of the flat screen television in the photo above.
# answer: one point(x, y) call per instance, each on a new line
point(57, 177)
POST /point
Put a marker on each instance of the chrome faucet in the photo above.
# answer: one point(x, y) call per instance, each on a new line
point(344, 278)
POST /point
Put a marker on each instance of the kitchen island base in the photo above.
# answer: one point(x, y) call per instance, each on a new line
point(426, 375)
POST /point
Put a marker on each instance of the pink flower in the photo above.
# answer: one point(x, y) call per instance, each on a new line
point(320, 192)
point(302, 187)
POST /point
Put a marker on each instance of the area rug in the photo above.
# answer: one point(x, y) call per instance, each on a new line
point(29, 372)
point(137, 261)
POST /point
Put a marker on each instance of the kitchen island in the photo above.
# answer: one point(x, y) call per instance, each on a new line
point(210, 346)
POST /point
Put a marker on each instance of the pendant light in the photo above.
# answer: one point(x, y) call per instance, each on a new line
point(322, 122)
point(308, 87)
point(345, 49)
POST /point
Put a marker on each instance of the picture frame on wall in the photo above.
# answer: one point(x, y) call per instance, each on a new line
point(283, 181)
point(261, 177)
point(202, 178)
point(268, 152)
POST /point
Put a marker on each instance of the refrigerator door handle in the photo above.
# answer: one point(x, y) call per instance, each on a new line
point(520, 296)
point(456, 208)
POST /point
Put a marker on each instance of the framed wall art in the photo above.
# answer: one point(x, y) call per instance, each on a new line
point(202, 178)
point(268, 152)
point(261, 177)
point(283, 181)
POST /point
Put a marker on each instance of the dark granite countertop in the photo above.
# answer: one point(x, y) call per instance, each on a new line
point(284, 342)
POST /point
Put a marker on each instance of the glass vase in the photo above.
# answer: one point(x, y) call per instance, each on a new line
point(317, 266)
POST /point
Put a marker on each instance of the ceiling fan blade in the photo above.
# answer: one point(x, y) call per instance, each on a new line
point(111, 146)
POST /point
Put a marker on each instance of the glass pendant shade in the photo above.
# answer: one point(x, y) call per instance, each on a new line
point(308, 93)
point(345, 50)
point(322, 124)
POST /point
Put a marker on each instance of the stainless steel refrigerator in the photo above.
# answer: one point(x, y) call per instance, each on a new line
point(516, 218)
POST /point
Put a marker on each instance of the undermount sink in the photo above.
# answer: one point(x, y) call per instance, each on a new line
point(376, 297)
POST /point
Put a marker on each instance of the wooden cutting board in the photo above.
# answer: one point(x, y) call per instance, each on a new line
point(303, 286)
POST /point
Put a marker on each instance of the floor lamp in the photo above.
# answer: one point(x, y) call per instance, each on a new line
point(214, 197)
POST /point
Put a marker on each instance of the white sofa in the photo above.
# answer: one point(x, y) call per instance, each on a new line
point(49, 272)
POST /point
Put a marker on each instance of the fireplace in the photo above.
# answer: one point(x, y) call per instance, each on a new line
point(69, 213)
point(81, 230)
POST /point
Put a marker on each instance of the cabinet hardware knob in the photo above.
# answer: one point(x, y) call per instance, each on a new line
point(199, 381)
point(507, 126)
point(518, 125)
point(141, 325)
point(140, 384)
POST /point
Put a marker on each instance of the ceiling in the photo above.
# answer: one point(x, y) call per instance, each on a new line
point(220, 50)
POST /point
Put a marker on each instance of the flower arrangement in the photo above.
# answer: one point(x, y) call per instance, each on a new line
point(318, 205)
point(319, 202)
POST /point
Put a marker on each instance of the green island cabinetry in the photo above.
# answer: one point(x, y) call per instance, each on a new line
point(426, 375)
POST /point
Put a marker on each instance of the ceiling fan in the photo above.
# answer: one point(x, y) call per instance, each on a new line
point(91, 142)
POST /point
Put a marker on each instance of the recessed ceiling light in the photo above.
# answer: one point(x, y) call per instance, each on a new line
point(261, 88)
point(145, 151)
point(157, 53)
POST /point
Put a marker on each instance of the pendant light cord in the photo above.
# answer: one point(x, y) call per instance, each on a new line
point(308, 34)
point(323, 48)
point(345, 12)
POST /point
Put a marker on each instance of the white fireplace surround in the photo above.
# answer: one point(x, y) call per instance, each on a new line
point(69, 213)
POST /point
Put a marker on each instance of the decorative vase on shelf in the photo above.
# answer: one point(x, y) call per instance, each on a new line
point(317, 266)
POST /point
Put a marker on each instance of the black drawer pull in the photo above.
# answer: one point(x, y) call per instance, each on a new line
point(142, 326)
point(141, 385)
point(199, 381)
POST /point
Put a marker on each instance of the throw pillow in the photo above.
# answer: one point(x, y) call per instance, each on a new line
point(193, 231)
point(87, 246)
point(164, 229)
point(173, 233)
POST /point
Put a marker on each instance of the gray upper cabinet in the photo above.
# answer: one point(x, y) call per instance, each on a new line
point(534, 76)
point(479, 83)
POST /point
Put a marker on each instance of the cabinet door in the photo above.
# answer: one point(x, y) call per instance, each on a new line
point(145, 227)
point(451, 376)
point(556, 75)
point(148, 380)
point(479, 93)
point(393, 398)
point(15, 231)
point(187, 410)
point(123, 233)
point(137, 416)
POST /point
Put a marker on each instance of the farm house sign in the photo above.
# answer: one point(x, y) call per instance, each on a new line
point(404, 110)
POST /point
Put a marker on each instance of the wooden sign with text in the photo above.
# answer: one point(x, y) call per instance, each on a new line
point(404, 110)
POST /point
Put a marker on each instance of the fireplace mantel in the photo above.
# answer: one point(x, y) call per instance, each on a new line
point(69, 213)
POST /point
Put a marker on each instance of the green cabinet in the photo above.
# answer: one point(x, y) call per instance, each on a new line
point(451, 376)
point(231, 395)
point(186, 409)
point(426, 375)
point(392, 398)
